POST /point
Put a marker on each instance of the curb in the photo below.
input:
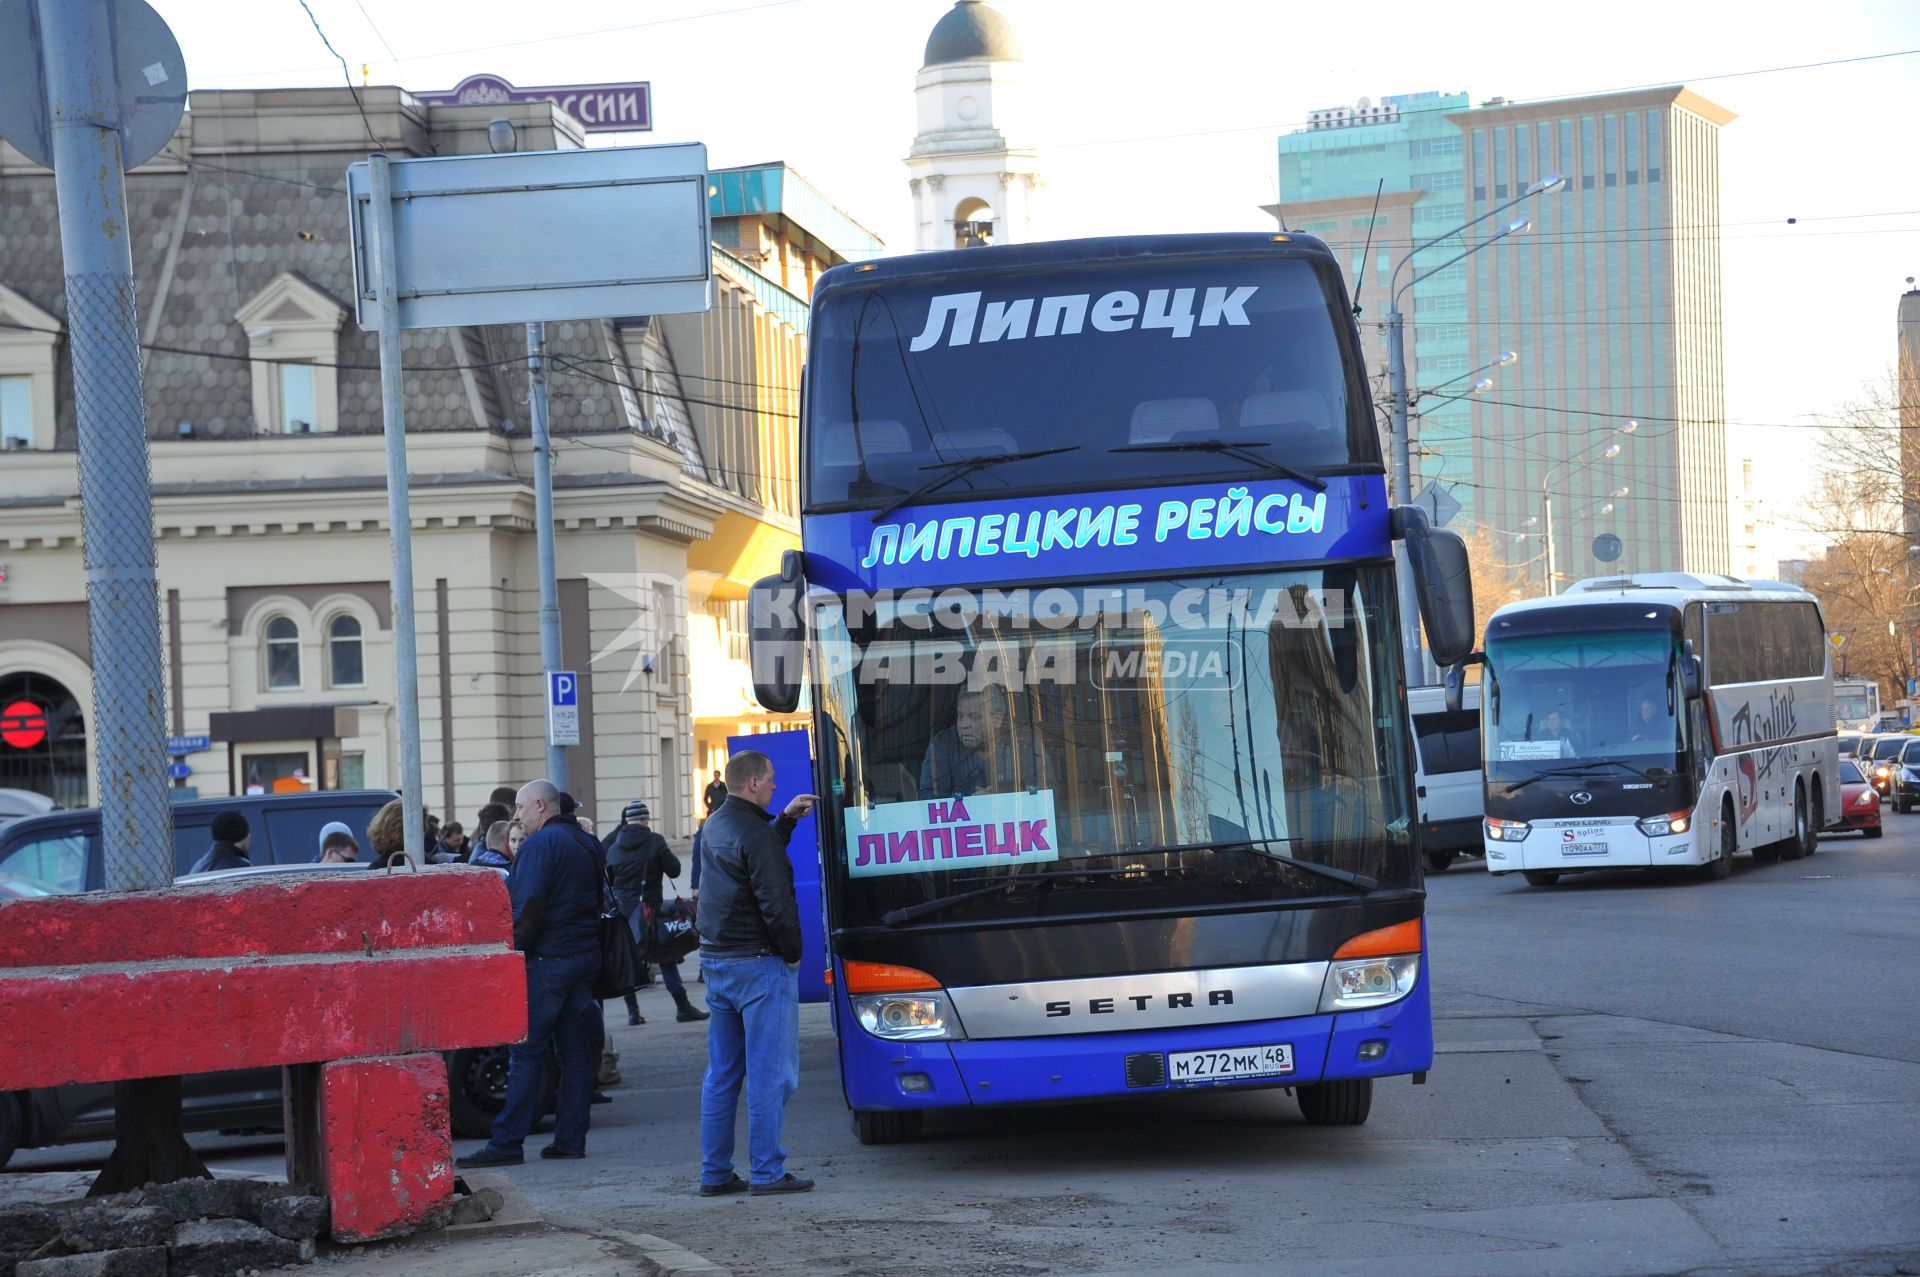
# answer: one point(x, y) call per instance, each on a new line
point(669, 1259)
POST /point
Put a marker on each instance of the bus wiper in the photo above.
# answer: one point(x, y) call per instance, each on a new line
point(1333, 873)
point(899, 916)
point(1238, 451)
point(951, 470)
point(1582, 769)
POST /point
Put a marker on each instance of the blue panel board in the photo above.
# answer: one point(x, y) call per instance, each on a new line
point(1256, 523)
point(793, 775)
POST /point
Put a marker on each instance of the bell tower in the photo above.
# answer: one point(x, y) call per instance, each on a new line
point(972, 182)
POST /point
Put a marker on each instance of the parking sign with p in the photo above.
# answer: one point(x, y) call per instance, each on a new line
point(563, 707)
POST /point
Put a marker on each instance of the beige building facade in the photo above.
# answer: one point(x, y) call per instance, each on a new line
point(674, 483)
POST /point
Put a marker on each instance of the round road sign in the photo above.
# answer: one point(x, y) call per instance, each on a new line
point(1607, 547)
point(151, 91)
point(23, 724)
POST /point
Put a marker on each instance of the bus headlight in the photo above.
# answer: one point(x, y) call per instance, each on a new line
point(1353, 984)
point(1674, 822)
point(907, 1017)
point(1507, 830)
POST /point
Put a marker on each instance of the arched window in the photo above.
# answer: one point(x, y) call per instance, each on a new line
point(283, 654)
point(346, 656)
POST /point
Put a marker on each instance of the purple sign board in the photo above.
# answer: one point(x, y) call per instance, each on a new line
point(602, 108)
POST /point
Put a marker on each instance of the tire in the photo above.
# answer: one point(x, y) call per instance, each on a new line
point(1794, 845)
point(1816, 821)
point(477, 1090)
point(1437, 861)
point(12, 1125)
point(1871, 832)
point(887, 1128)
point(1721, 866)
point(1345, 1102)
point(1540, 877)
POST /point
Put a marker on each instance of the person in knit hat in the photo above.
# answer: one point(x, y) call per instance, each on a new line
point(637, 861)
point(229, 850)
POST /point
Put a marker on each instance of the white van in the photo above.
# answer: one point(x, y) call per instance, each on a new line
point(1447, 775)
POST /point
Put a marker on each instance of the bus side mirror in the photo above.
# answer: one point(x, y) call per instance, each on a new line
point(1443, 582)
point(777, 635)
point(1457, 680)
point(1691, 683)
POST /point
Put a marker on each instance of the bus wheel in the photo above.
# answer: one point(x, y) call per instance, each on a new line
point(1815, 824)
point(1794, 845)
point(886, 1128)
point(1437, 861)
point(1541, 877)
point(1345, 1102)
point(1722, 865)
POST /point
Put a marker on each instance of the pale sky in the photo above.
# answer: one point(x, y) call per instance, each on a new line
point(1155, 116)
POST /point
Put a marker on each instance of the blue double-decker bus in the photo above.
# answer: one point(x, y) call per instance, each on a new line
point(1097, 606)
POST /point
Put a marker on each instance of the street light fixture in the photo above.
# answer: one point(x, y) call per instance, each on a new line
point(1397, 372)
point(1609, 450)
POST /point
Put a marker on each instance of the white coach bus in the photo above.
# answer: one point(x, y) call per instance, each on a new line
point(1656, 720)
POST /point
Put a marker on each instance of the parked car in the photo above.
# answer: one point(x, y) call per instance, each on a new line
point(62, 848)
point(242, 1100)
point(16, 803)
point(1447, 776)
point(1859, 802)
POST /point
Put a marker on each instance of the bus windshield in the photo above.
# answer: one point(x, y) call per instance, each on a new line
point(1163, 744)
point(1552, 700)
point(1145, 369)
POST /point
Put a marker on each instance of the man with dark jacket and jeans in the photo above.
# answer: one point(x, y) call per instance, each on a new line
point(750, 950)
point(555, 891)
point(638, 862)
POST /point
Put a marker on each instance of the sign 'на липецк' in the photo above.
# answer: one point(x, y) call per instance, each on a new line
point(930, 835)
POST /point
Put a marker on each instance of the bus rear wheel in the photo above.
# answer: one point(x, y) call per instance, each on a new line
point(1540, 877)
point(1437, 861)
point(1794, 845)
point(1345, 1102)
point(886, 1128)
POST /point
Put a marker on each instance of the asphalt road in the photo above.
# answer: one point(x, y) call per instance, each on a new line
point(1637, 1075)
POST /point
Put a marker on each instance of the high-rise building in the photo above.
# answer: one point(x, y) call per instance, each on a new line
point(1611, 302)
point(1907, 392)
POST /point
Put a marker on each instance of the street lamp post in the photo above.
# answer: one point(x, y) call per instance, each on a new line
point(1397, 381)
point(1609, 450)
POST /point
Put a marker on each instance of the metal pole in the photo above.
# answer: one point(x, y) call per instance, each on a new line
point(393, 419)
point(543, 535)
point(116, 499)
point(1553, 585)
point(1403, 490)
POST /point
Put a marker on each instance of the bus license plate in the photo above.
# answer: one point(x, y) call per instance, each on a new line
point(1583, 849)
point(1229, 1064)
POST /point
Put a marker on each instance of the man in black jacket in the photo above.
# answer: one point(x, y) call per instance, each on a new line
point(638, 859)
point(229, 850)
point(750, 950)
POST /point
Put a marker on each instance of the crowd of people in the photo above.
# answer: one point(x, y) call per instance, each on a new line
point(561, 881)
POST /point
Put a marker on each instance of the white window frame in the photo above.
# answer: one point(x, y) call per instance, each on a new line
point(266, 654)
point(29, 338)
point(327, 641)
point(292, 322)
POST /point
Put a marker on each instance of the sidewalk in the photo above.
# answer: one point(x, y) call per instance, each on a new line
point(564, 1246)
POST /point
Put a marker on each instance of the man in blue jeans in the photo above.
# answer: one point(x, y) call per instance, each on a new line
point(749, 925)
point(555, 890)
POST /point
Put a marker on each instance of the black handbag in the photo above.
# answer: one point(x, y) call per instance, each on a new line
point(619, 956)
point(670, 932)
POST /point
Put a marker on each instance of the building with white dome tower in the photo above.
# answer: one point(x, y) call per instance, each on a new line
point(971, 184)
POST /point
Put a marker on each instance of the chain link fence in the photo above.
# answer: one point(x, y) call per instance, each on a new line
point(123, 598)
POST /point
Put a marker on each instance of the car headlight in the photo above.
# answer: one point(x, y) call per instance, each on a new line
point(1674, 822)
point(1353, 984)
point(908, 1017)
point(1507, 830)
point(1866, 798)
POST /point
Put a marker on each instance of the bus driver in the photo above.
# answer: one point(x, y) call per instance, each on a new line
point(976, 754)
